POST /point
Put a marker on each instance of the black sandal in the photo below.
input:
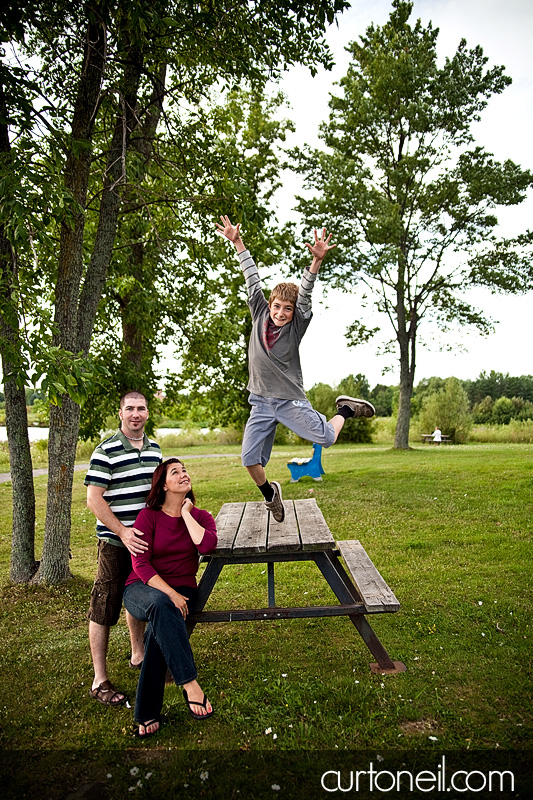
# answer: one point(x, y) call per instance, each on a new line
point(147, 734)
point(196, 703)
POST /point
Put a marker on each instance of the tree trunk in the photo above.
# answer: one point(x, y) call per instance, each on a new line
point(97, 271)
point(144, 143)
point(401, 436)
point(23, 564)
point(406, 341)
point(64, 419)
point(76, 312)
point(64, 426)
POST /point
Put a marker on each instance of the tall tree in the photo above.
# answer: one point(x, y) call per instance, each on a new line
point(409, 195)
point(98, 63)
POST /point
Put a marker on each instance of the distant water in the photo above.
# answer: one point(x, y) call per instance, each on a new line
point(35, 433)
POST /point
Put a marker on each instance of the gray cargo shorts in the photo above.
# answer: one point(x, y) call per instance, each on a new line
point(298, 416)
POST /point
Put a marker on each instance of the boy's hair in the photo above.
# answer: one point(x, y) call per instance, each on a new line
point(286, 292)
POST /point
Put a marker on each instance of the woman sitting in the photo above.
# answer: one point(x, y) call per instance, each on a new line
point(161, 590)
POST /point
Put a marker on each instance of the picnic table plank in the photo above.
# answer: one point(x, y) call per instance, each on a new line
point(283, 537)
point(228, 521)
point(252, 534)
point(314, 532)
point(374, 591)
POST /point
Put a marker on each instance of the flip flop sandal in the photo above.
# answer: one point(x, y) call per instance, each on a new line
point(146, 735)
point(136, 666)
point(105, 694)
point(196, 703)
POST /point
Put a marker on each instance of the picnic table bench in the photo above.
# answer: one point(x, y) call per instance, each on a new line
point(428, 437)
point(248, 534)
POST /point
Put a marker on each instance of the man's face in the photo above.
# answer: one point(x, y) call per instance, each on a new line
point(133, 414)
point(281, 312)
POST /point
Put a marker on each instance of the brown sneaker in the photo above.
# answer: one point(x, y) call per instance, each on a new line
point(360, 408)
point(275, 506)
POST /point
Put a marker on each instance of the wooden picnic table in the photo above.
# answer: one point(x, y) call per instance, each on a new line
point(248, 534)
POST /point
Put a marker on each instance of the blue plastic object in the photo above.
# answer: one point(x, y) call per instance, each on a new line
point(310, 467)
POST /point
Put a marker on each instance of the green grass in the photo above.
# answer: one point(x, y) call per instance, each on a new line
point(449, 529)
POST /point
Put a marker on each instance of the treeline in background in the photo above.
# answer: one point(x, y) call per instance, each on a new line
point(493, 407)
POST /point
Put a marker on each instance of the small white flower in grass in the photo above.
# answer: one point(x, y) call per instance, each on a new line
point(382, 685)
point(480, 602)
point(290, 725)
point(380, 758)
point(134, 771)
point(433, 739)
point(139, 784)
point(275, 787)
point(148, 775)
point(128, 704)
point(274, 735)
point(132, 788)
point(267, 731)
point(263, 571)
point(204, 775)
point(283, 674)
point(109, 775)
point(483, 634)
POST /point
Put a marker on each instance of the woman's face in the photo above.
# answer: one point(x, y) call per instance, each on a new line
point(177, 479)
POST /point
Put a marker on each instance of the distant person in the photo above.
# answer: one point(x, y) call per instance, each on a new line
point(276, 383)
point(161, 590)
point(437, 435)
point(118, 482)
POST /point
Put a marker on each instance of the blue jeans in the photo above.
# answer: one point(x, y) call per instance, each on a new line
point(166, 642)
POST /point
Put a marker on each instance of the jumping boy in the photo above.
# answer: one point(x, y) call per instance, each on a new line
point(275, 384)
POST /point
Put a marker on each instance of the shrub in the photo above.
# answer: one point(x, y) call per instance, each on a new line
point(449, 409)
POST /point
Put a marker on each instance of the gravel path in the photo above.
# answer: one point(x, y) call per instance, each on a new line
point(6, 476)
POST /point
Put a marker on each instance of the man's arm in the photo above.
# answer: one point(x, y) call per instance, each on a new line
point(100, 508)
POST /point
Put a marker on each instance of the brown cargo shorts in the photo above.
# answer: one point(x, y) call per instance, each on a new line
point(114, 566)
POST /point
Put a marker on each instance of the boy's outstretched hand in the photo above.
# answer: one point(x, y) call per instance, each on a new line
point(321, 246)
point(231, 232)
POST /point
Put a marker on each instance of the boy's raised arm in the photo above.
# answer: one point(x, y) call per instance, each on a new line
point(248, 266)
point(319, 250)
point(231, 232)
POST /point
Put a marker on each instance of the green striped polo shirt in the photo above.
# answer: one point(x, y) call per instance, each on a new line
point(126, 475)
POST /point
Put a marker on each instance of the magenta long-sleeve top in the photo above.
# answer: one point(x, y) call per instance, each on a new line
point(171, 552)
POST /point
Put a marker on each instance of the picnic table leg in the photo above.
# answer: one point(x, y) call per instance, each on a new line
point(345, 592)
point(205, 587)
point(271, 591)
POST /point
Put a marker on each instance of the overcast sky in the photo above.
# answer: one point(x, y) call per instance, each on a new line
point(503, 29)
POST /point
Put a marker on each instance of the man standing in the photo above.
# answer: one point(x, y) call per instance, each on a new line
point(118, 482)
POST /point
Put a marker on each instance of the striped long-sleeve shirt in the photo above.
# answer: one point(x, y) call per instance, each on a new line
point(275, 371)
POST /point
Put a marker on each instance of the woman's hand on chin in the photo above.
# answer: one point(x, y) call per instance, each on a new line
point(187, 505)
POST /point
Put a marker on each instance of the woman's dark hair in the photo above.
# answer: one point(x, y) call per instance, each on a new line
point(156, 495)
